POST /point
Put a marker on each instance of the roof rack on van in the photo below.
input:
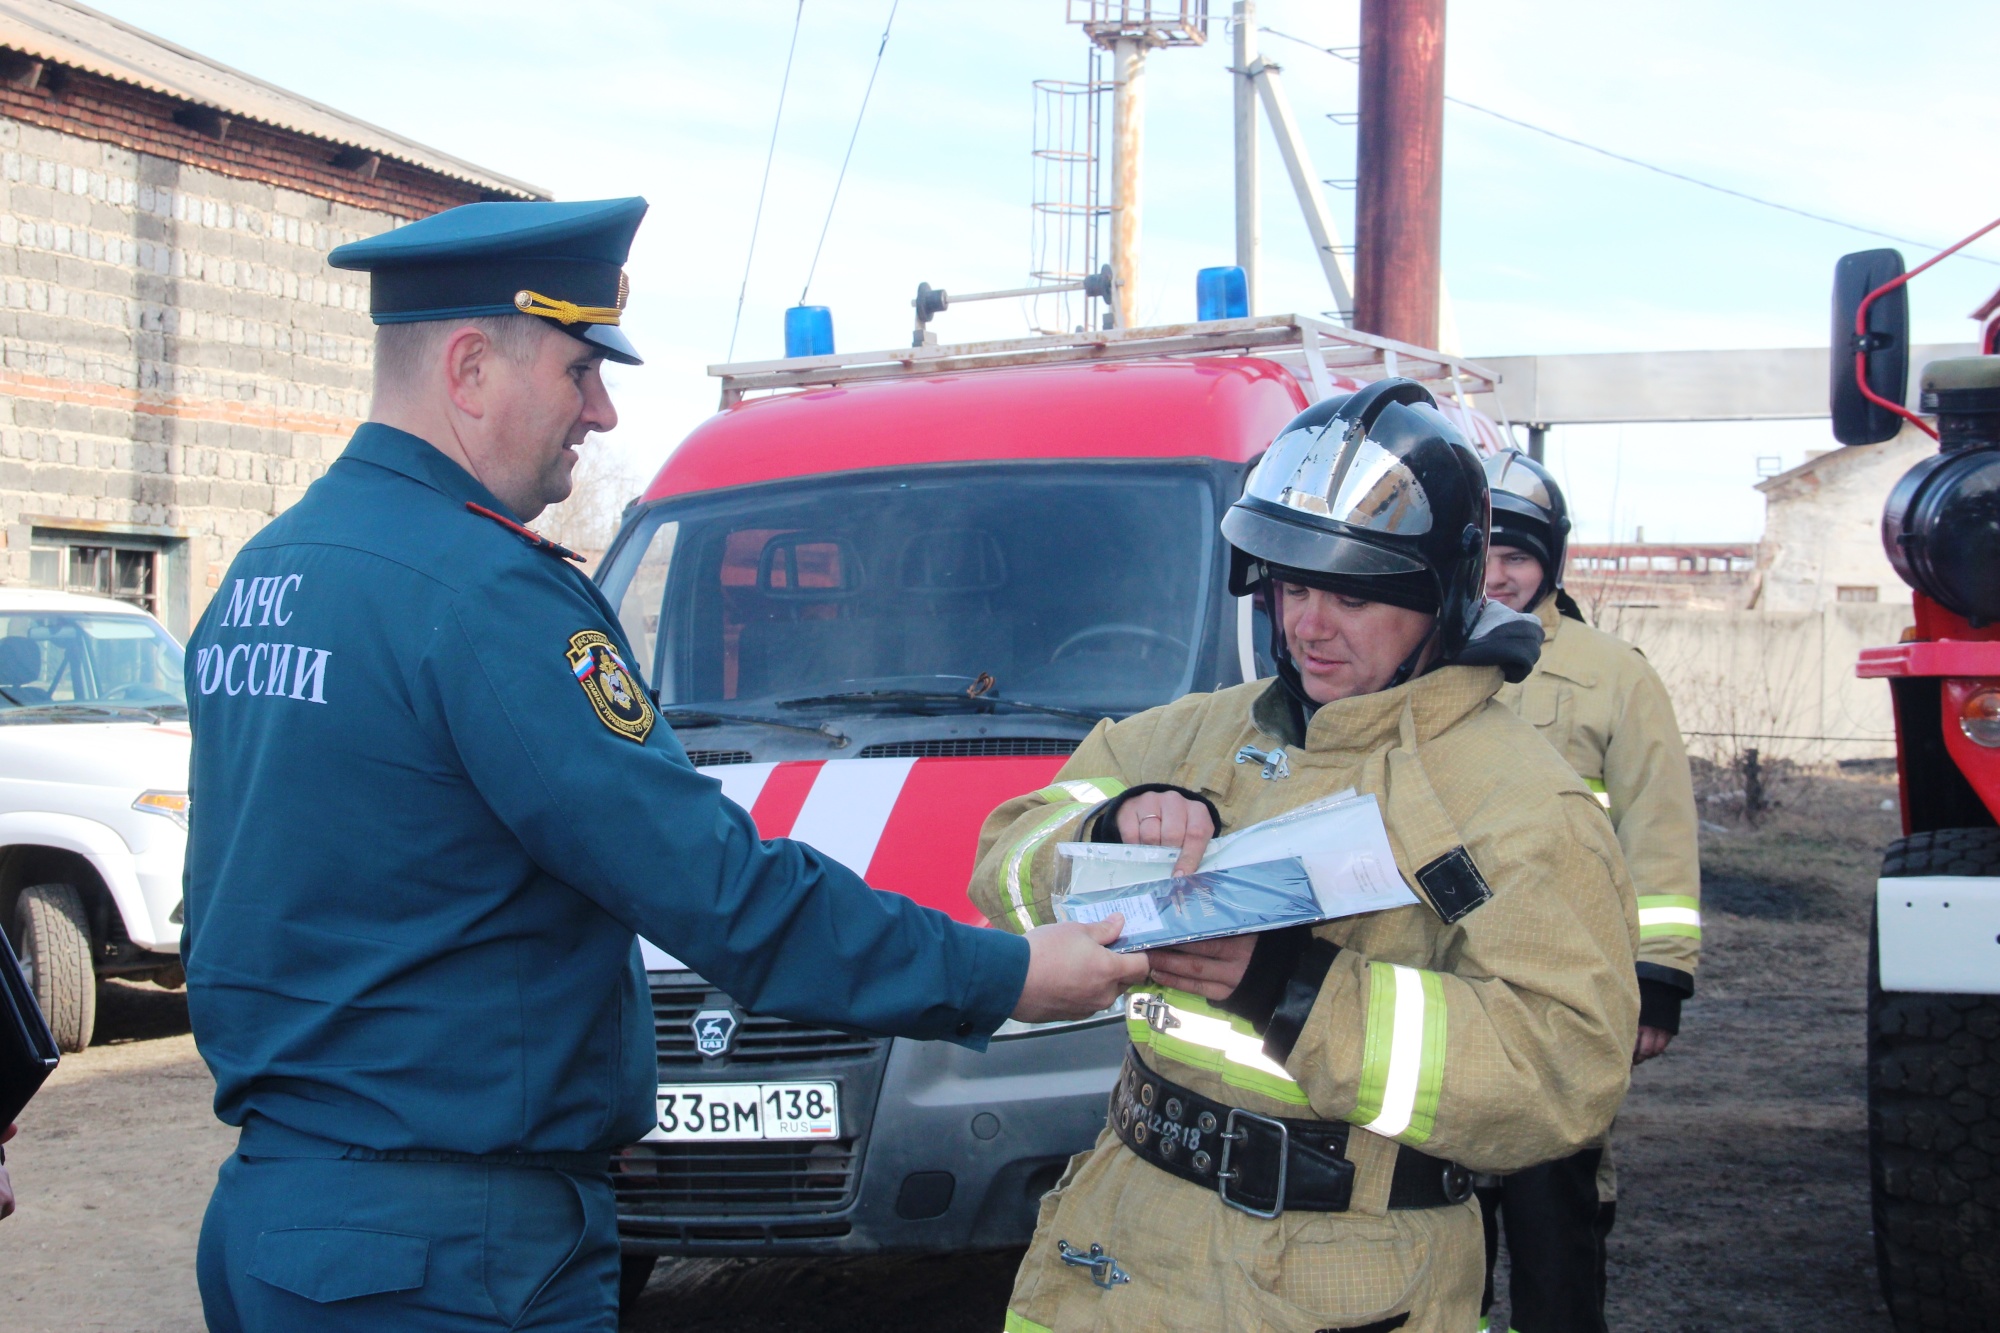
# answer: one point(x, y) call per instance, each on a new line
point(1315, 349)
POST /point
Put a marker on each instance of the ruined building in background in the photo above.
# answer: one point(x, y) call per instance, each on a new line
point(1823, 527)
point(177, 361)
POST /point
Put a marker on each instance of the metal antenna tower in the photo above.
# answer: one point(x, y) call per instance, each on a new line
point(1068, 212)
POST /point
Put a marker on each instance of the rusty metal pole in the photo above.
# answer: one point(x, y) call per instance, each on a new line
point(1128, 147)
point(1400, 159)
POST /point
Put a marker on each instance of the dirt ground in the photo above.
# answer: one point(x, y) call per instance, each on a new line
point(1741, 1153)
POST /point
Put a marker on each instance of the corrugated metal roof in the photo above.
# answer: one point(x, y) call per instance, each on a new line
point(82, 38)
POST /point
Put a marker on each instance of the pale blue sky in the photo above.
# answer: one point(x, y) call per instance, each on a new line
point(1836, 106)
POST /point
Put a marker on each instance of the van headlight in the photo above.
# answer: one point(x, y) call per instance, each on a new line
point(1014, 1027)
point(167, 804)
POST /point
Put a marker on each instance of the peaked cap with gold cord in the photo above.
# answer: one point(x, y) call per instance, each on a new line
point(563, 262)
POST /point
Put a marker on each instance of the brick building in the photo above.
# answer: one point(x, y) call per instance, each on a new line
point(177, 361)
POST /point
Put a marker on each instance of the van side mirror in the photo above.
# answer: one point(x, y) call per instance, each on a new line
point(1886, 345)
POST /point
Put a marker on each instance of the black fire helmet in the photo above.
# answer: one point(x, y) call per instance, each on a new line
point(1529, 514)
point(1373, 494)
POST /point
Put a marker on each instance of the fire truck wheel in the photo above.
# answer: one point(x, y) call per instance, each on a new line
point(52, 936)
point(1934, 1124)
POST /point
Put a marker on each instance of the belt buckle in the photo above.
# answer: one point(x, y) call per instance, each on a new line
point(1231, 1136)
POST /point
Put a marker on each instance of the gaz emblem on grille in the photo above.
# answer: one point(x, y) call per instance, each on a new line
point(714, 1030)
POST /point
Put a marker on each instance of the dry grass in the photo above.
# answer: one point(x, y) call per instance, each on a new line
point(1812, 856)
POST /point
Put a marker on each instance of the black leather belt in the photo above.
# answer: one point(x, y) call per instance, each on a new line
point(1261, 1164)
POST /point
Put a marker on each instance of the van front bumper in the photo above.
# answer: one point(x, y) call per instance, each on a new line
point(943, 1150)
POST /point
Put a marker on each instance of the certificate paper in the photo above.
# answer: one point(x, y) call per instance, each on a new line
point(1323, 861)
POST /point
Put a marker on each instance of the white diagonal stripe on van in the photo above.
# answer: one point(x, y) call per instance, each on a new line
point(849, 806)
point(741, 783)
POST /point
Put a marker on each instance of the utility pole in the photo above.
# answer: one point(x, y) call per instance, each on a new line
point(1128, 153)
point(1128, 29)
point(1305, 184)
point(1400, 161)
point(1244, 15)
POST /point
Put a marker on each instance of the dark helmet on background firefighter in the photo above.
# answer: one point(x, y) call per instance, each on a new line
point(1529, 514)
point(1375, 495)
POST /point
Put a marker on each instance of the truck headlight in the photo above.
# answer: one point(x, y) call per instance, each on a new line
point(1941, 530)
point(1979, 717)
point(167, 804)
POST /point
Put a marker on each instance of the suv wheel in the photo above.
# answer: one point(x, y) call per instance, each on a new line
point(1934, 1124)
point(54, 936)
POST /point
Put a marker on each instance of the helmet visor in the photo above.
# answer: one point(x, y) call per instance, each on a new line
point(1507, 476)
point(1342, 476)
point(1266, 533)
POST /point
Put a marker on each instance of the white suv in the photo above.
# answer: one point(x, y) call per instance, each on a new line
point(93, 798)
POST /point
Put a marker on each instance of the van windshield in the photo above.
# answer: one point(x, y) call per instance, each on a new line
point(1081, 586)
point(62, 667)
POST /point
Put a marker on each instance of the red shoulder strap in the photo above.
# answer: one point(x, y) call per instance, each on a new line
point(528, 535)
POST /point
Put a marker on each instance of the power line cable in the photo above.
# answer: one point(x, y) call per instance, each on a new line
point(1339, 53)
point(865, 94)
point(769, 154)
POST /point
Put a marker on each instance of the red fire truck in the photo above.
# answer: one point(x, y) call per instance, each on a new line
point(878, 594)
point(1934, 963)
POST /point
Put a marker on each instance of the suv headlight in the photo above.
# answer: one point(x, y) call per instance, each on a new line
point(167, 804)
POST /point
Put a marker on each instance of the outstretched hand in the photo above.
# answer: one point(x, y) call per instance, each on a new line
point(1072, 975)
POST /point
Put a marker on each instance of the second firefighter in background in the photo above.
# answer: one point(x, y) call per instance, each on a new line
point(1292, 1137)
point(1597, 700)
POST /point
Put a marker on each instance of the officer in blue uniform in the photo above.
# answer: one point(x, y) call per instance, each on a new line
point(435, 804)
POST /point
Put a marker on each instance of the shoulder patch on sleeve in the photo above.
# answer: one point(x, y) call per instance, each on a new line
point(1453, 884)
point(611, 688)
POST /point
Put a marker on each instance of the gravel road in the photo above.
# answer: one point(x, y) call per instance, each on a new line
point(1741, 1153)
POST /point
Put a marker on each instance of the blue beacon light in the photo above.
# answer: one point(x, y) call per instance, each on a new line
point(1221, 293)
point(808, 331)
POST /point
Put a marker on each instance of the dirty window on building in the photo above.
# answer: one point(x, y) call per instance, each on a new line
point(126, 573)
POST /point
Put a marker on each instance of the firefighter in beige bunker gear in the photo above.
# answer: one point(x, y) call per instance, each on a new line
point(1596, 700)
point(1290, 1143)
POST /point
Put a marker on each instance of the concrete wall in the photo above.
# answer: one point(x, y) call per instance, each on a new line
point(1782, 681)
point(177, 362)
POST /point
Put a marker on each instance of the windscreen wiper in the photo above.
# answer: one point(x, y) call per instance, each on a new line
point(79, 712)
point(962, 703)
point(696, 718)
